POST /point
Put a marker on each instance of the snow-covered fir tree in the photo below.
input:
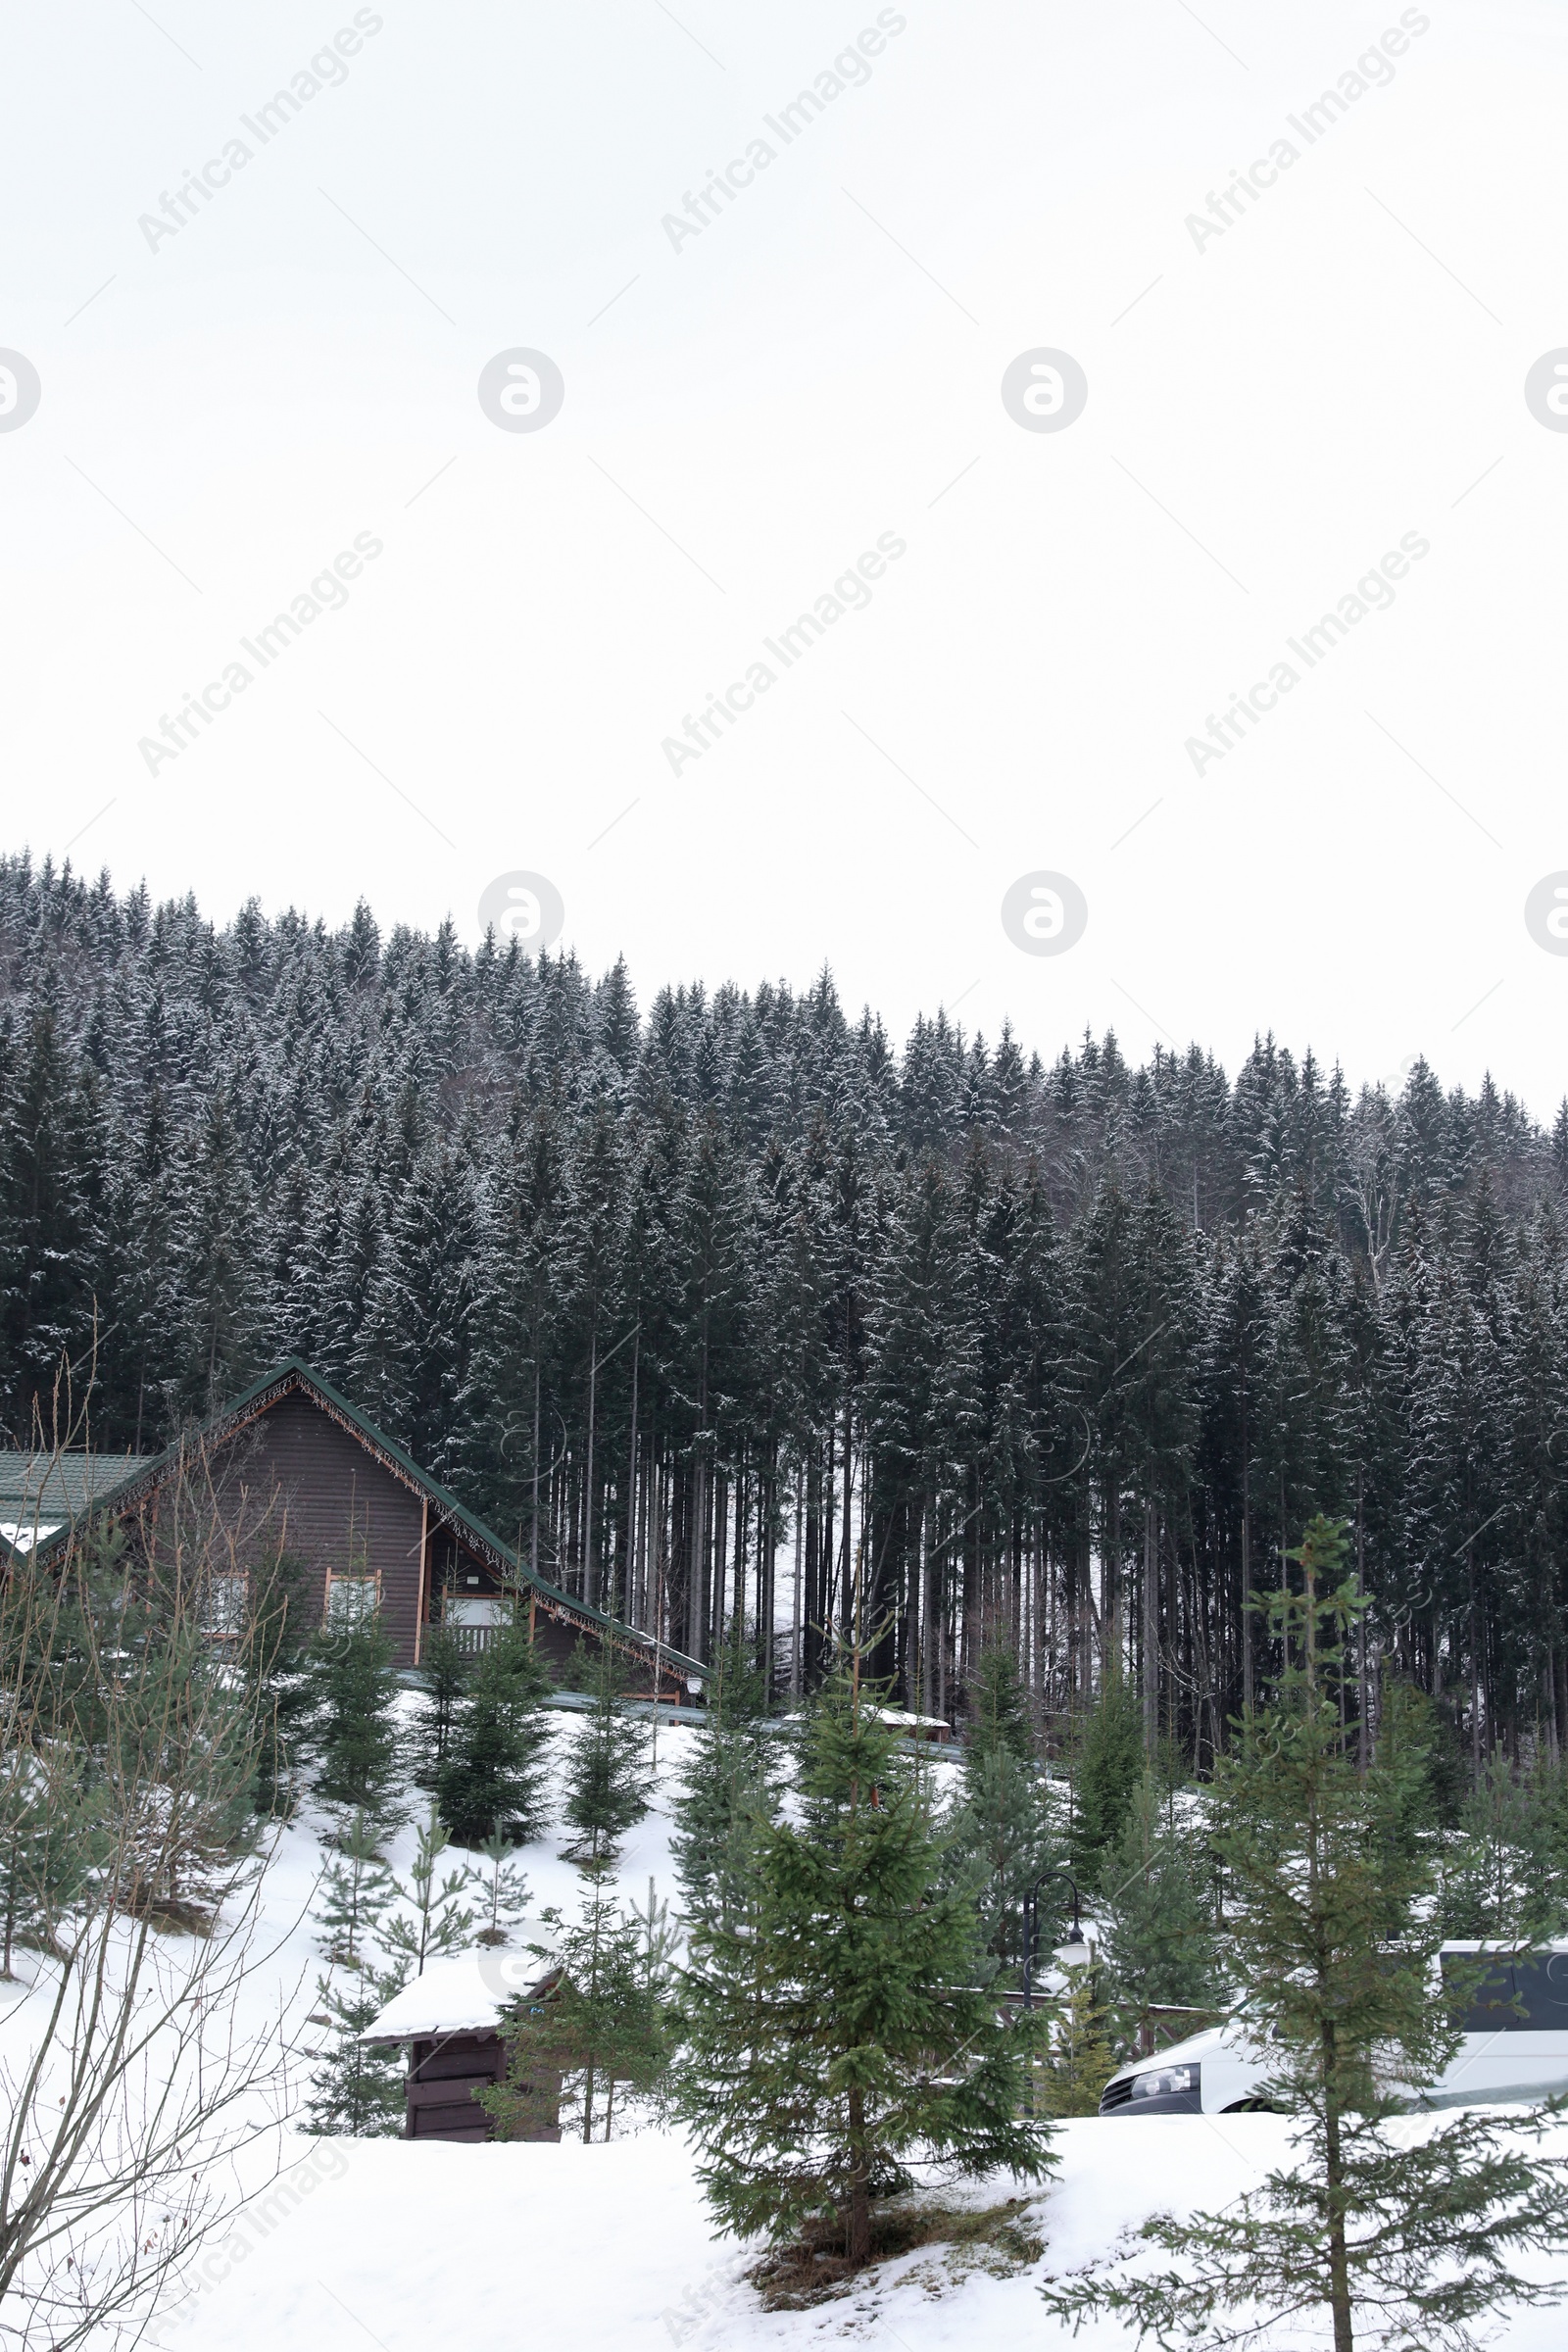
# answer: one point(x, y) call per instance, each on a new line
point(729, 1309)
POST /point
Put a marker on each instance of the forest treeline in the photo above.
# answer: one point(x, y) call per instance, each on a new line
point(733, 1312)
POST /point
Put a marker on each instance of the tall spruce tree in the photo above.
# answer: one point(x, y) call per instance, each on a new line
point(728, 1791)
point(217, 1256)
point(494, 1776)
point(608, 1775)
point(1392, 2239)
point(1160, 1948)
point(834, 2036)
point(1107, 1770)
point(352, 1727)
point(1003, 1829)
point(51, 1236)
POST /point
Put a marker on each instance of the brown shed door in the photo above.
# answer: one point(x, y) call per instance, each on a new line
point(443, 2075)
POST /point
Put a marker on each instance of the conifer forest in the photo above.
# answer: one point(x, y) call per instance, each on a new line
point(741, 1319)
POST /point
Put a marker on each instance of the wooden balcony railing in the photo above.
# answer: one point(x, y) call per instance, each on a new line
point(473, 1640)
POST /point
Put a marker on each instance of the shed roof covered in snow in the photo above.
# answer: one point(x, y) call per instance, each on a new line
point(464, 1993)
point(915, 1727)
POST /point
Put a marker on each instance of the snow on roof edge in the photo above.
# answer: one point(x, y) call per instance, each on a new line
point(463, 1993)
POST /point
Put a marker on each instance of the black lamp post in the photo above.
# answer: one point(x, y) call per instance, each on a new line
point(1031, 1917)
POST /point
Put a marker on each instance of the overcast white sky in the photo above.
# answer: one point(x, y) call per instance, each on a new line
point(747, 411)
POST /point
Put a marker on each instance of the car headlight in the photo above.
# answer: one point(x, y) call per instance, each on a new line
point(1165, 2082)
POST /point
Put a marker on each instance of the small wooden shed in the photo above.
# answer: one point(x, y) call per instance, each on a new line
point(450, 2020)
point(935, 1728)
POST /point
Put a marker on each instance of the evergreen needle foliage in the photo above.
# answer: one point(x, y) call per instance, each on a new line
point(442, 1672)
point(1002, 1832)
point(1078, 2060)
point(493, 1776)
point(272, 1655)
point(506, 1890)
point(434, 1918)
point(1159, 1948)
point(833, 2033)
point(998, 1711)
point(607, 1778)
point(352, 1728)
point(354, 1894)
point(599, 2026)
point(1108, 1767)
point(51, 1843)
point(1505, 1871)
point(1399, 2240)
point(728, 1791)
point(358, 2092)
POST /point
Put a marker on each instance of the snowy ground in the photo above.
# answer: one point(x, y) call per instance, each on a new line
point(610, 2249)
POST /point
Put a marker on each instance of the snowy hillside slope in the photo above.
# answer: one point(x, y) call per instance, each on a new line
point(334, 2242)
point(608, 2249)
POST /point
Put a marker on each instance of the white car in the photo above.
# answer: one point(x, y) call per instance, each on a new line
point(1514, 2046)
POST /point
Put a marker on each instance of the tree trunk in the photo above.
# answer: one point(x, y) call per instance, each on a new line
point(1363, 1751)
point(1246, 1591)
point(628, 1601)
point(928, 1611)
point(1151, 1643)
point(1334, 2185)
point(1110, 1659)
point(858, 2248)
point(800, 1539)
point(533, 1548)
point(590, 1565)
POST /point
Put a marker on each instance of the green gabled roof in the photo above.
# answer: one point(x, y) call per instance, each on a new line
point(294, 1373)
point(49, 1484)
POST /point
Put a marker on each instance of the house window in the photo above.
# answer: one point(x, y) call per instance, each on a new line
point(224, 1604)
point(351, 1599)
point(475, 1609)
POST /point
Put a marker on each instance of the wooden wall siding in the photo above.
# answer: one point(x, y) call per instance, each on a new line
point(558, 1644)
point(443, 2075)
point(341, 1510)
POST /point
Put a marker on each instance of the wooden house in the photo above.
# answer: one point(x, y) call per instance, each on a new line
point(292, 1465)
